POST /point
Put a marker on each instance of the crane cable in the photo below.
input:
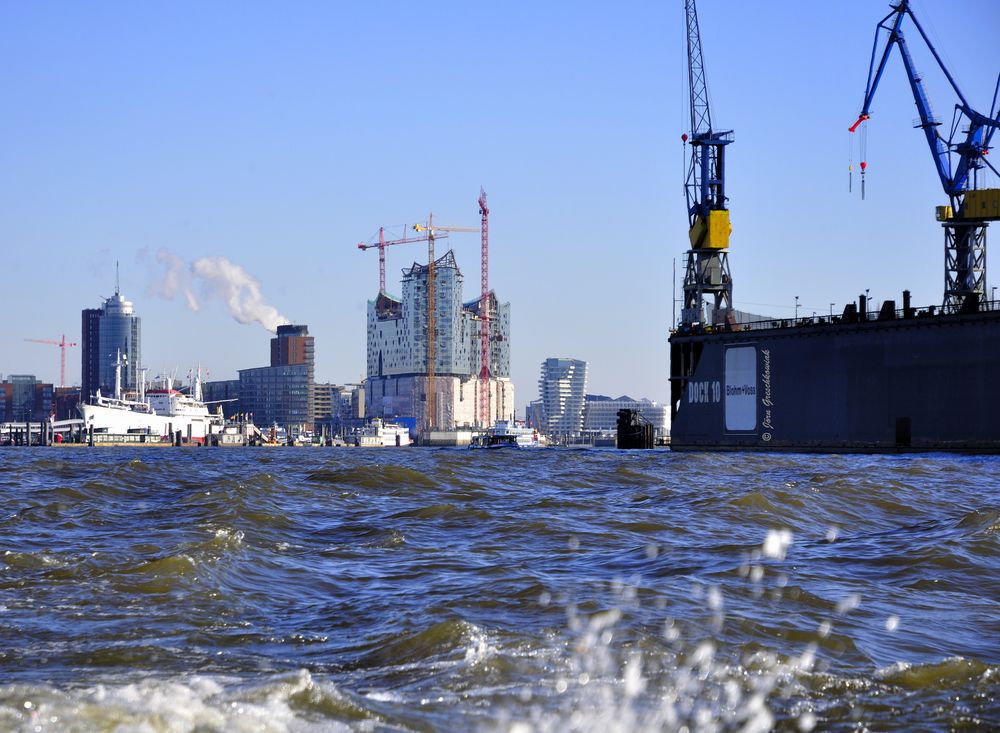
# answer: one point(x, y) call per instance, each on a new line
point(864, 156)
point(850, 162)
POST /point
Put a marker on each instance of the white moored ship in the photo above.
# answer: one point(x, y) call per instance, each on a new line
point(380, 433)
point(157, 413)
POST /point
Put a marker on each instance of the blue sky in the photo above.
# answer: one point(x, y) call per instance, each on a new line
point(278, 135)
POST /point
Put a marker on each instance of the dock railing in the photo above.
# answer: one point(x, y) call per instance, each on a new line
point(848, 316)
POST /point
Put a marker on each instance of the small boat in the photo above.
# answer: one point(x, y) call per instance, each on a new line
point(274, 435)
point(306, 438)
point(505, 435)
point(238, 433)
point(381, 434)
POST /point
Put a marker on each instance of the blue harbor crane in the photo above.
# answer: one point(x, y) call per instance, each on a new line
point(707, 270)
point(957, 158)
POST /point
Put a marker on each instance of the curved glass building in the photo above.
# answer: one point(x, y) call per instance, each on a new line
point(108, 330)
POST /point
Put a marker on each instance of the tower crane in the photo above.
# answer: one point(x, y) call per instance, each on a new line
point(957, 158)
point(63, 344)
point(484, 313)
point(382, 243)
point(432, 234)
point(707, 270)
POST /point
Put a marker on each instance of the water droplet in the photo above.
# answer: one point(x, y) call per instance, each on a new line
point(776, 543)
point(714, 598)
point(634, 682)
point(892, 623)
point(852, 601)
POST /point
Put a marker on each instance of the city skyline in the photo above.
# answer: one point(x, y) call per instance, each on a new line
point(276, 141)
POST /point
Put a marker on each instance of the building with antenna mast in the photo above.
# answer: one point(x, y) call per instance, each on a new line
point(105, 331)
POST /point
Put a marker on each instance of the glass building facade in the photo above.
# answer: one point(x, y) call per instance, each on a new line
point(108, 331)
point(278, 395)
point(282, 394)
point(90, 348)
point(23, 397)
point(563, 387)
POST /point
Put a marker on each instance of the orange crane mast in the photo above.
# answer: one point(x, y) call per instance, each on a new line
point(432, 234)
point(63, 345)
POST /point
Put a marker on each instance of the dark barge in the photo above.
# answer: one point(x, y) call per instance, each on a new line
point(895, 380)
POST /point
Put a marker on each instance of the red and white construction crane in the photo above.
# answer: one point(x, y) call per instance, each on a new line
point(484, 314)
point(382, 243)
point(62, 344)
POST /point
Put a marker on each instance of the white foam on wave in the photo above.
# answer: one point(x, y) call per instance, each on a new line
point(228, 537)
point(479, 648)
point(179, 705)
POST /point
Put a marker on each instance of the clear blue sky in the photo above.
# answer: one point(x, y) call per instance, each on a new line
point(278, 135)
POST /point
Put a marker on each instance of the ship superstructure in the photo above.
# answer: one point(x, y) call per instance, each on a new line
point(160, 412)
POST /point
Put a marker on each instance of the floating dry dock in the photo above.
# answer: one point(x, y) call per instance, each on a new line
point(896, 380)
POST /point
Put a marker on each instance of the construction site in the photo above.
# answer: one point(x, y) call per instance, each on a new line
point(437, 363)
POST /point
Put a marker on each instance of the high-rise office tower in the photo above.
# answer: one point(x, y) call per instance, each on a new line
point(108, 331)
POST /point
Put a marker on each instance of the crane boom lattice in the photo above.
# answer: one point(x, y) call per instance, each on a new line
point(63, 344)
point(382, 243)
point(957, 160)
point(707, 270)
point(484, 314)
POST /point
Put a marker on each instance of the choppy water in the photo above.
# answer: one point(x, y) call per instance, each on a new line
point(557, 590)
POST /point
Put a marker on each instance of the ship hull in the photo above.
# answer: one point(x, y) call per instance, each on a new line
point(121, 422)
point(905, 384)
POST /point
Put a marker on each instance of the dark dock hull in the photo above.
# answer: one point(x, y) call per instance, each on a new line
point(908, 384)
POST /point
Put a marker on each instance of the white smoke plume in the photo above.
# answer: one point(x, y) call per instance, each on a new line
point(216, 277)
point(174, 279)
point(239, 289)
